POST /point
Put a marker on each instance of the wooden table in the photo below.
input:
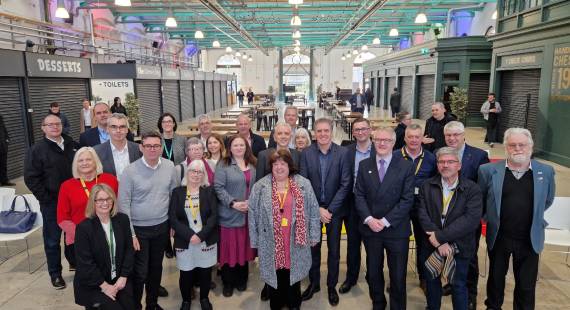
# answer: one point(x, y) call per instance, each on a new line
point(215, 126)
point(227, 120)
point(259, 111)
point(193, 133)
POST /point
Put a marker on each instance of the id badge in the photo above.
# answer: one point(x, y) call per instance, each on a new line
point(284, 222)
point(416, 191)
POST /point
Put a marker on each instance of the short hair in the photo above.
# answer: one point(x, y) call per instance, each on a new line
point(100, 103)
point(202, 117)
point(116, 99)
point(290, 107)
point(90, 208)
point(324, 120)
point(388, 130)
point(284, 155)
point(305, 133)
point(517, 130)
point(248, 156)
point(50, 115)
point(395, 88)
point(196, 165)
point(159, 124)
point(280, 124)
point(414, 127)
point(361, 120)
point(118, 116)
point(222, 145)
point(400, 116)
point(243, 114)
point(454, 125)
point(96, 160)
point(446, 150)
point(193, 141)
point(492, 94)
point(439, 104)
point(53, 104)
point(150, 134)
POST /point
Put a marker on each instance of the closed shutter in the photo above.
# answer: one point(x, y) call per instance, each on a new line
point(170, 98)
point(390, 90)
point(148, 94)
point(515, 87)
point(11, 109)
point(67, 92)
point(199, 103)
point(380, 87)
point(477, 94)
point(426, 95)
point(374, 88)
point(209, 95)
point(224, 94)
point(187, 99)
point(217, 95)
point(406, 91)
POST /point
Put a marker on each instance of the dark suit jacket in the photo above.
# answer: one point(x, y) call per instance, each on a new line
point(472, 158)
point(93, 259)
point(91, 137)
point(392, 199)
point(263, 168)
point(351, 157)
point(463, 215)
point(353, 100)
point(106, 155)
point(257, 143)
point(272, 142)
point(337, 180)
point(208, 215)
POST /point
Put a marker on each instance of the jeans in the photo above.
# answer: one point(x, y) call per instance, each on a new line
point(52, 238)
point(459, 295)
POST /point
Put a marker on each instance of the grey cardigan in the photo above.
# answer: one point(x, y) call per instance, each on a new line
point(229, 183)
point(178, 146)
point(260, 222)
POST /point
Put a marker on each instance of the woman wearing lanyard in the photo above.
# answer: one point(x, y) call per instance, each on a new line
point(194, 218)
point(284, 223)
point(172, 144)
point(105, 255)
point(73, 195)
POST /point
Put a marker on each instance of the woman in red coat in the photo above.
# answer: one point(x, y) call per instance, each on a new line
point(74, 194)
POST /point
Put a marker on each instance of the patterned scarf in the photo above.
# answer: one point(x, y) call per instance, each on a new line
point(300, 227)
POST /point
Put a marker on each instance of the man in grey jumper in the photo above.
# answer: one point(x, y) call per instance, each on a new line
point(144, 195)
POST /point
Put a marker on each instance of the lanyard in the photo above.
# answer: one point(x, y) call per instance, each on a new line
point(419, 163)
point(85, 186)
point(111, 244)
point(168, 152)
point(194, 210)
point(283, 198)
point(446, 202)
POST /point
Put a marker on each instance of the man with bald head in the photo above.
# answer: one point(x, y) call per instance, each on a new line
point(256, 142)
point(290, 117)
point(433, 134)
point(47, 165)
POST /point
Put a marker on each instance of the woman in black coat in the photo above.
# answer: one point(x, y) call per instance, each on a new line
point(194, 219)
point(104, 253)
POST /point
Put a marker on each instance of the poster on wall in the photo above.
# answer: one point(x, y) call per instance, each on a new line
point(105, 90)
point(560, 88)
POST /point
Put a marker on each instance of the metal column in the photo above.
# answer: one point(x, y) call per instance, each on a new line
point(311, 91)
point(280, 60)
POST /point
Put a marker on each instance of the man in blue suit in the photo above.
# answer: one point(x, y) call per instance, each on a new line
point(516, 192)
point(325, 164)
point(471, 158)
point(357, 101)
point(384, 198)
point(97, 134)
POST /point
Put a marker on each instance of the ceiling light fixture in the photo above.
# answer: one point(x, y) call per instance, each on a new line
point(376, 41)
point(250, 59)
point(229, 49)
point(297, 43)
point(295, 20)
point(343, 58)
point(364, 47)
point(421, 18)
point(295, 1)
point(297, 49)
point(198, 34)
point(355, 52)
point(61, 11)
point(297, 34)
point(394, 32)
point(170, 20)
point(244, 56)
point(123, 2)
point(238, 54)
point(216, 43)
point(348, 54)
point(494, 16)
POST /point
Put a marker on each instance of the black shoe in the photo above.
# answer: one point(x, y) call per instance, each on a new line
point(185, 305)
point(472, 305)
point(169, 254)
point(58, 283)
point(71, 268)
point(264, 293)
point(228, 291)
point(162, 292)
point(333, 296)
point(345, 287)
point(192, 294)
point(213, 285)
point(308, 293)
point(155, 307)
point(446, 290)
point(205, 304)
point(241, 287)
point(7, 184)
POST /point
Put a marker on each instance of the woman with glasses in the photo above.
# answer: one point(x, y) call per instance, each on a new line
point(105, 255)
point(216, 149)
point(173, 145)
point(195, 151)
point(193, 216)
point(233, 179)
point(73, 195)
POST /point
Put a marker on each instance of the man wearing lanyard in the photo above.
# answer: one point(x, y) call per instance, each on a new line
point(449, 212)
point(424, 168)
point(357, 152)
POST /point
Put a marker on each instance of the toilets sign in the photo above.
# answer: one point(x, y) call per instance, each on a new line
point(107, 89)
point(44, 65)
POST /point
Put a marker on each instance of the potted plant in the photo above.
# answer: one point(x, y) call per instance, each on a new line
point(132, 106)
point(459, 101)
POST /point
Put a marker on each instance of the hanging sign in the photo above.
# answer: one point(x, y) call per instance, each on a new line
point(560, 85)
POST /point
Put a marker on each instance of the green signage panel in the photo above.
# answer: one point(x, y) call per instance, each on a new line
point(560, 88)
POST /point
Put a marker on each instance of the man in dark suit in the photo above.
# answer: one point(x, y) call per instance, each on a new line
point(384, 197)
point(4, 140)
point(357, 101)
point(282, 138)
point(325, 164)
point(395, 103)
point(357, 152)
point(99, 134)
point(471, 158)
point(404, 120)
point(117, 153)
point(256, 142)
point(290, 116)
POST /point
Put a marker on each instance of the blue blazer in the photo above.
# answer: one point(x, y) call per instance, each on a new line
point(392, 199)
point(472, 158)
point(337, 181)
point(491, 177)
point(354, 98)
point(91, 137)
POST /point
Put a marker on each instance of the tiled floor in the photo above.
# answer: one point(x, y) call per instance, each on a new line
point(21, 290)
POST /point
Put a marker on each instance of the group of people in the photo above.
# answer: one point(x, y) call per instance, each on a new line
point(225, 202)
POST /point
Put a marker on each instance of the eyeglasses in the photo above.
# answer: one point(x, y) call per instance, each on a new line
point(359, 130)
point(52, 125)
point(152, 146)
point(107, 201)
point(167, 121)
point(193, 171)
point(116, 128)
point(383, 141)
point(517, 145)
point(447, 162)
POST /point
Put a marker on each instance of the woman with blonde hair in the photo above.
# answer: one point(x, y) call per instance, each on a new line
point(302, 139)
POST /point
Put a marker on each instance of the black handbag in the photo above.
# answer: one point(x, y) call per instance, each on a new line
point(16, 222)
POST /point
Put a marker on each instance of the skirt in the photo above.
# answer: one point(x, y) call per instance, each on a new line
point(234, 246)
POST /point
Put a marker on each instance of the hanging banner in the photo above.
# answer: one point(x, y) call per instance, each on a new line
point(44, 65)
point(560, 85)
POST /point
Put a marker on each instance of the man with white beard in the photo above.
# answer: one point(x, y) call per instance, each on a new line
point(516, 192)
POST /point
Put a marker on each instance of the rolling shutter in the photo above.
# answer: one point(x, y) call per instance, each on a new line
point(209, 95)
point(406, 91)
point(67, 92)
point(11, 109)
point(380, 87)
point(224, 94)
point(170, 98)
point(148, 94)
point(516, 86)
point(478, 90)
point(426, 95)
point(217, 95)
point(187, 99)
point(199, 103)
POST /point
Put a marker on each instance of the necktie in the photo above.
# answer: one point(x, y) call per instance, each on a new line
point(382, 170)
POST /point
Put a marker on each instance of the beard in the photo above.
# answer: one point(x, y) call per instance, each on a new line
point(519, 158)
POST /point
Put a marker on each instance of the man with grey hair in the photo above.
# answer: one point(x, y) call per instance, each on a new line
point(256, 142)
point(204, 128)
point(290, 117)
point(433, 134)
point(516, 192)
point(384, 197)
point(449, 213)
